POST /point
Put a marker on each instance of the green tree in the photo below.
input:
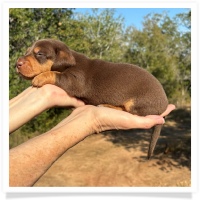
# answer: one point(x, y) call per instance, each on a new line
point(103, 33)
point(184, 61)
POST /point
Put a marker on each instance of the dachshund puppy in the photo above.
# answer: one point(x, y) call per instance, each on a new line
point(116, 85)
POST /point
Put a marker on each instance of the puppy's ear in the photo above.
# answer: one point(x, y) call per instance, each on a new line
point(63, 60)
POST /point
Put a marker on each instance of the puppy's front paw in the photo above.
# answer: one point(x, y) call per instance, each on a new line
point(44, 78)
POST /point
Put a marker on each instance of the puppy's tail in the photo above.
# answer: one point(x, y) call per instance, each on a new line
point(154, 137)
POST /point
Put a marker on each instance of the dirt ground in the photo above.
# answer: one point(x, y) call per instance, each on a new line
point(119, 158)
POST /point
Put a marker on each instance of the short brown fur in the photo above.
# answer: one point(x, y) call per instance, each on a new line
point(117, 85)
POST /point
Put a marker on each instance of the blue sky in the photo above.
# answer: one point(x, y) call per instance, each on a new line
point(134, 16)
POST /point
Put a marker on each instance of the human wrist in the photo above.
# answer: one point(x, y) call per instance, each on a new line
point(93, 119)
point(82, 119)
point(46, 98)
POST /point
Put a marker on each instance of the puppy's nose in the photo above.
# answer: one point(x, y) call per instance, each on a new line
point(19, 63)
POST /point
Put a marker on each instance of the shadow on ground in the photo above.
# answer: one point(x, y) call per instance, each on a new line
point(173, 148)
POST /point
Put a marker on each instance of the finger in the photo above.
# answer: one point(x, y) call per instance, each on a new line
point(149, 121)
point(75, 102)
point(170, 107)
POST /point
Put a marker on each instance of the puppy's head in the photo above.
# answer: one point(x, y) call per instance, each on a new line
point(45, 55)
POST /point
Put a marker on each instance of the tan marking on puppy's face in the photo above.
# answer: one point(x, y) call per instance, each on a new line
point(33, 63)
point(128, 105)
point(31, 67)
point(36, 49)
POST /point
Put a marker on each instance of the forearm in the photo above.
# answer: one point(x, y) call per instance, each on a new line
point(23, 112)
point(25, 107)
point(29, 161)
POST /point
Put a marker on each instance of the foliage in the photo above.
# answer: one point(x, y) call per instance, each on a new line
point(104, 34)
point(161, 47)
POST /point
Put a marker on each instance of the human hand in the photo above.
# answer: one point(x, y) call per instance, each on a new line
point(56, 96)
point(50, 95)
point(115, 119)
point(97, 119)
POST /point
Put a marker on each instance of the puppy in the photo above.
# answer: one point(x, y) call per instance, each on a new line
point(116, 85)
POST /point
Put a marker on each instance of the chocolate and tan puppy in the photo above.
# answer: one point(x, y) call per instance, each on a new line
point(117, 85)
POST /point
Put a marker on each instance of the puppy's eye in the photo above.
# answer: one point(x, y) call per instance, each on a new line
point(40, 54)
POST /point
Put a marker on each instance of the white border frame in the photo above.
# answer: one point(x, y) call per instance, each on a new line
point(90, 4)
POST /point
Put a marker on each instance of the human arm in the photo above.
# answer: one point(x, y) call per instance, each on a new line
point(30, 160)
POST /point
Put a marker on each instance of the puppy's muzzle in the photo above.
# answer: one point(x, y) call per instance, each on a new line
point(20, 63)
